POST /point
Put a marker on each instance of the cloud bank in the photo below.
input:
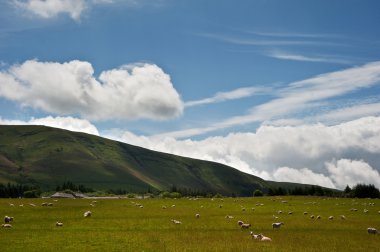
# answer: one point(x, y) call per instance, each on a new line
point(129, 92)
point(331, 156)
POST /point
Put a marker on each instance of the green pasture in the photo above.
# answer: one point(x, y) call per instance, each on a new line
point(120, 225)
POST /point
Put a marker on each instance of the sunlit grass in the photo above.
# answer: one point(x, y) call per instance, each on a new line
point(119, 225)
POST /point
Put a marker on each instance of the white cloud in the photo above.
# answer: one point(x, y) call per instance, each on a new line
point(68, 123)
point(298, 97)
point(351, 172)
point(52, 8)
point(231, 95)
point(303, 175)
point(129, 92)
point(294, 153)
point(298, 57)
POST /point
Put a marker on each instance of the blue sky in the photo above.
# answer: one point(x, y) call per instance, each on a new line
point(198, 78)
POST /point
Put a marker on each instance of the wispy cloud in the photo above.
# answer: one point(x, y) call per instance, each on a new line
point(299, 57)
point(298, 97)
point(292, 34)
point(230, 95)
point(266, 42)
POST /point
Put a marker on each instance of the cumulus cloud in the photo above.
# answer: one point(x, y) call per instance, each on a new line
point(350, 172)
point(129, 92)
point(301, 153)
point(68, 123)
point(52, 8)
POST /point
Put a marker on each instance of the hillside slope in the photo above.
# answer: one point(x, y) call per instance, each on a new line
point(47, 157)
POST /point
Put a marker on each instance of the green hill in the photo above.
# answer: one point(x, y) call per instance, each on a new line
point(47, 157)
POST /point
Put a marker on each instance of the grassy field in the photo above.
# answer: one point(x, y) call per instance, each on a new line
point(120, 225)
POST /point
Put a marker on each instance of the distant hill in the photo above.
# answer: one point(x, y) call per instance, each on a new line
point(47, 157)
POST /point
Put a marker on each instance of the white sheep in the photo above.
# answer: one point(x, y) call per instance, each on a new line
point(279, 212)
point(50, 204)
point(197, 215)
point(44, 204)
point(318, 217)
point(59, 224)
point(304, 213)
point(277, 225)
point(254, 236)
point(245, 225)
point(365, 211)
point(176, 222)
point(331, 217)
point(31, 204)
point(353, 210)
point(87, 214)
point(290, 212)
point(371, 230)
point(6, 225)
point(311, 216)
point(11, 204)
point(229, 217)
point(240, 222)
point(263, 238)
point(342, 217)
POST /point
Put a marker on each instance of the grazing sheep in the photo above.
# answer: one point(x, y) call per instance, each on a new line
point(87, 214)
point(50, 204)
point(229, 217)
point(8, 219)
point(93, 205)
point(279, 212)
point(371, 230)
point(378, 212)
point(365, 211)
point(59, 224)
point(240, 222)
point(318, 217)
point(31, 204)
point(331, 217)
point(22, 205)
point(243, 209)
point(277, 225)
point(44, 204)
point(164, 207)
point(311, 216)
point(245, 225)
point(342, 217)
point(10, 204)
point(353, 210)
point(220, 206)
point(304, 213)
point(263, 238)
point(176, 222)
point(290, 212)
point(254, 236)
point(173, 205)
point(275, 217)
point(6, 225)
point(253, 209)
point(197, 215)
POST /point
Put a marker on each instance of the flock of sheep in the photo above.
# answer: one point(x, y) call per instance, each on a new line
point(260, 237)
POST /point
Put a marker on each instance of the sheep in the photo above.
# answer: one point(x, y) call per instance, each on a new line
point(353, 210)
point(279, 212)
point(331, 217)
point(378, 212)
point(304, 213)
point(176, 222)
point(365, 211)
point(44, 204)
point(50, 204)
point(93, 205)
point(254, 236)
point(31, 204)
point(87, 214)
point(243, 209)
point(8, 219)
point(173, 205)
point(21, 205)
point(12, 205)
point(277, 225)
point(59, 224)
point(6, 225)
point(290, 212)
point(263, 238)
point(240, 222)
point(229, 217)
point(311, 216)
point(197, 215)
point(371, 230)
point(342, 217)
point(164, 207)
point(220, 206)
point(245, 226)
point(275, 217)
point(318, 217)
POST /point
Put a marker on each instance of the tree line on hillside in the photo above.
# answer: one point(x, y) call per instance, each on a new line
point(31, 191)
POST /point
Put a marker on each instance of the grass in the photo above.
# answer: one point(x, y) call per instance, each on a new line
point(119, 225)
